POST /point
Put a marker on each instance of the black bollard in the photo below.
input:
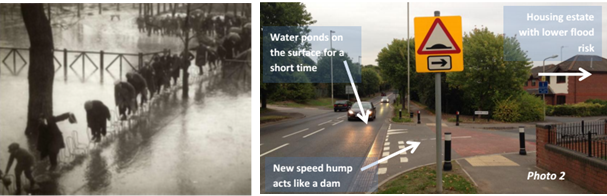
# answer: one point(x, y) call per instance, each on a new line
point(447, 164)
point(521, 133)
point(411, 115)
point(400, 114)
point(418, 117)
point(457, 118)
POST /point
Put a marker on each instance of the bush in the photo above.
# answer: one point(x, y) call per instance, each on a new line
point(598, 101)
point(524, 107)
point(588, 108)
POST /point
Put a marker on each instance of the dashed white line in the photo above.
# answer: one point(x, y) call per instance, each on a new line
point(404, 159)
point(274, 150)
point(305, 136)
point(341, 117)
point(324, 123)
point(338, 122)
point(382, 170)
point(295, 133)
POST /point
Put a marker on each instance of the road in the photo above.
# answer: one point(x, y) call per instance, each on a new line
point(325, 135)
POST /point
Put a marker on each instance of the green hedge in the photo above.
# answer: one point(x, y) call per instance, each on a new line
point(525, 107)
point(588, 108)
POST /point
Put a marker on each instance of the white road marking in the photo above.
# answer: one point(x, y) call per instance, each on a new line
point(295, 133)
point(404, 159)
point(305, 136)
point(385, 154)
point(383, 162)
point(401, 146)
point(341, 117)
point(401, 142)
point(325, 123)
point(382, 170)
point(337, 122)
point(386, 143)
point(274, 149)
point(387, 148)
point(389, 126)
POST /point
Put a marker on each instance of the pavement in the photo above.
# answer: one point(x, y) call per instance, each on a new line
point(488, 154)
point(507, 173)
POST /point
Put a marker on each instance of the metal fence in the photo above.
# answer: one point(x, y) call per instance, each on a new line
point(82, 64)
point(588, 137)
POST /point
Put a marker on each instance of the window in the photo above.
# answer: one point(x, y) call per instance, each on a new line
point(560, 100)
point(527, 83)
point(561, 79)
point(533, 82)
point(548, 79)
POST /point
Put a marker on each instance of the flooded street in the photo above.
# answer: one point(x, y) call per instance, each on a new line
point(194, 146)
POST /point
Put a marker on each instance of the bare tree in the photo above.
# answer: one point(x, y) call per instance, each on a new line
point(41, 70)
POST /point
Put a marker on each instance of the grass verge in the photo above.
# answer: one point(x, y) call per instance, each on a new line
point(395, 116)
point(423, 180)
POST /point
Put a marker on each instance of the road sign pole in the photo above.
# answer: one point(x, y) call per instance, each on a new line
point(437, 92)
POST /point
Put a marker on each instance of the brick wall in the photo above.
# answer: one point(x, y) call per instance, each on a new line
point(592, 87)
point(587, 172)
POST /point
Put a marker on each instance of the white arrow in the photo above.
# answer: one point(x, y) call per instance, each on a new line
point(363, 115)
point(413, 146)
point(584, 74)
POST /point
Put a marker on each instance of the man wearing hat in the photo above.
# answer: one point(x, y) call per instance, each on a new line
point(25, 162)
point(96, 115)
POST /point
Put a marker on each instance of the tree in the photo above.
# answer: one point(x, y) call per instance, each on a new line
point(41, 71)
point(392, 61)
point(281, 14)
point(370, 81)
point(488, 77)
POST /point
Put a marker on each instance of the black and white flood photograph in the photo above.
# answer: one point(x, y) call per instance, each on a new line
point(125, 99)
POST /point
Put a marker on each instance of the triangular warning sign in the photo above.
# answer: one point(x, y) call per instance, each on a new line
point(438, 41)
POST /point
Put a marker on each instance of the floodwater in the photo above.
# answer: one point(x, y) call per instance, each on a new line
point(198, 145)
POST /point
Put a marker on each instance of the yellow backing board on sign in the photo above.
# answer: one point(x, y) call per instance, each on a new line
point(438, 44)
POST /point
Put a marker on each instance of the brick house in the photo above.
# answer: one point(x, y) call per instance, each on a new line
point(568, 89)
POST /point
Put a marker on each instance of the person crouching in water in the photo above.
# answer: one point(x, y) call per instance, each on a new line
point(25, 162)
point(50, 138)
point(96, 115)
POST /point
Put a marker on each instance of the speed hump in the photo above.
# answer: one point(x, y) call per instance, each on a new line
point(438, 44)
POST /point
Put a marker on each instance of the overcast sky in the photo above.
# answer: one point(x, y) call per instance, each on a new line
point(381, 22)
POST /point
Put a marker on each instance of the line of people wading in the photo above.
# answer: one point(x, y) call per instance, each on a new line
point(152, 79)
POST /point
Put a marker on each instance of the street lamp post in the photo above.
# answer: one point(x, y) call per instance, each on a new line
point(562, 53)
point(544, 70)
point(331, 44)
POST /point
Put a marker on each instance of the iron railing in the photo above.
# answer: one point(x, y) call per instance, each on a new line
point(588, 137)
point(94, 60)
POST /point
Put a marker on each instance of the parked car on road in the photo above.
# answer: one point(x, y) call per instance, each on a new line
point(355, 109)
point(341, 105)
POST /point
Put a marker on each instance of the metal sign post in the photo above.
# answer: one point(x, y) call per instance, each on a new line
point(439, 169)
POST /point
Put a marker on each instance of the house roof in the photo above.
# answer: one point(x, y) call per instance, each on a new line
point(591, 63)
point(538, 69)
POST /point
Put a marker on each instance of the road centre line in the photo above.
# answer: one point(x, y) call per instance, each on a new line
point(268, 152)
point(305, 136)
point(295, 133)
point(324, 123)
point(338, 122)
